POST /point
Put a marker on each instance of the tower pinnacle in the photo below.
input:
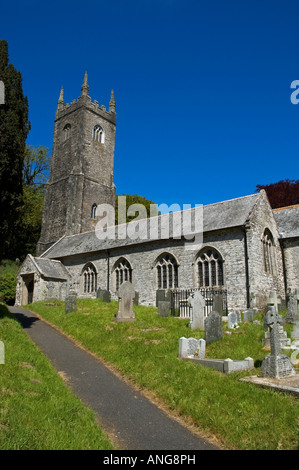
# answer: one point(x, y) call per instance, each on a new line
point(112, 102)
point(61, 99)
point(85, 87)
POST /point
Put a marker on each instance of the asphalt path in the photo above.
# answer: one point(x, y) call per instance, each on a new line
point(134, 421)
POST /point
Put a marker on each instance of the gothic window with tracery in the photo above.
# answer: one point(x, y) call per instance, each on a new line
point(268, 252)
point(209, 266)
point(89, 279)
point(98, 134)
point(123, 272)
point(167, 272)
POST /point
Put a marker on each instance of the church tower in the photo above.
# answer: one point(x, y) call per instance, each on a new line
point(81, 174)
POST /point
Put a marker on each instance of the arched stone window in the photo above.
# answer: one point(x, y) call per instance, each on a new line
point(66, 131)
point(122, 272)
point(93, 211)
point(89, 275)
point(209, 268)
point(98, 134)
point(268, 252)
point(166, 272)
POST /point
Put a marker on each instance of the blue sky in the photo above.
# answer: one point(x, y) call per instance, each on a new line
point(202, 88)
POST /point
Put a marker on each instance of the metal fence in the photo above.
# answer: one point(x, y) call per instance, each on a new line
point(179, 300)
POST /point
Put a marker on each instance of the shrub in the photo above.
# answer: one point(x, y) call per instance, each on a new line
point(7, 288)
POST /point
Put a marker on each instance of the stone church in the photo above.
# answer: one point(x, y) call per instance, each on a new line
point(247, 249)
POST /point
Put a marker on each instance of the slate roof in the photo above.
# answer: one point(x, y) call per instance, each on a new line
point(221, 215)
point(287, 219)
point(51, 268)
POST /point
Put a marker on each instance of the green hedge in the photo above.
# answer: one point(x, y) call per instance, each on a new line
point(7, 288)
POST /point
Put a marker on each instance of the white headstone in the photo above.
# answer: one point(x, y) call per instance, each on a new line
point(191, 347)
point(197, 302)
point(126, 295)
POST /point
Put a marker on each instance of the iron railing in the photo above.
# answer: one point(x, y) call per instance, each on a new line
point(179, 300)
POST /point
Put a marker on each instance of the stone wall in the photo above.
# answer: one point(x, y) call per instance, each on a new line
point(143, 257)
point(262, 282)
point(291, 257)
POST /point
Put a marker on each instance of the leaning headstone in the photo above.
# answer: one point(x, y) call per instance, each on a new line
point(191, 347)
point(197, 302)
point(163, 308)
point(71, 302)
point(218, 303)
point(213, 327)
point(293, 307)
point(126, 295)
point(275, 365)
point(232, 320)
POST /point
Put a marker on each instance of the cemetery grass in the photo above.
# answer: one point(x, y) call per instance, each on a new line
point(238, 414)
point(37, 410)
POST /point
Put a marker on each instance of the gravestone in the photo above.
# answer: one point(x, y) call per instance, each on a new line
point(213, 327)
point(2, 353)
point(248, 315)
point(104, 295)
point(273, 300)
point(163, 308)
point(232, 320)
point(126, 295)
point(197, 302)
point(71, 302)
point(218, 303)
point(136, 298)
point(293, 307)
point(191, 347)
point(295, 332)
point(163, 294)
point(275, 365)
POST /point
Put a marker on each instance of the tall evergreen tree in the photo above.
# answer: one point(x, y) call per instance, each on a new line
point(14, 127)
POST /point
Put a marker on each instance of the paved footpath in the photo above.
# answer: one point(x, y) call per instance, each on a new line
point(134, 421)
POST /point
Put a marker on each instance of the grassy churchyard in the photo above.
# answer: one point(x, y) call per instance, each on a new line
point(38, 411)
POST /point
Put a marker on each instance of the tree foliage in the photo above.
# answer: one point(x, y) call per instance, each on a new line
point(281, 194)
point(35, 166)
point(14, 127)
point(35, 172)
point(130, 200)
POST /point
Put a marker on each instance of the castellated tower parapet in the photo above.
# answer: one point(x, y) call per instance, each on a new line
point(81, 174)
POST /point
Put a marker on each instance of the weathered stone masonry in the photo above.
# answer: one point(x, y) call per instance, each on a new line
point(247, 248)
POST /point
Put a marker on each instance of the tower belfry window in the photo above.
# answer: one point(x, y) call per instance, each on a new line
point(98, 134)
point(66, 131)
point(93, 211)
